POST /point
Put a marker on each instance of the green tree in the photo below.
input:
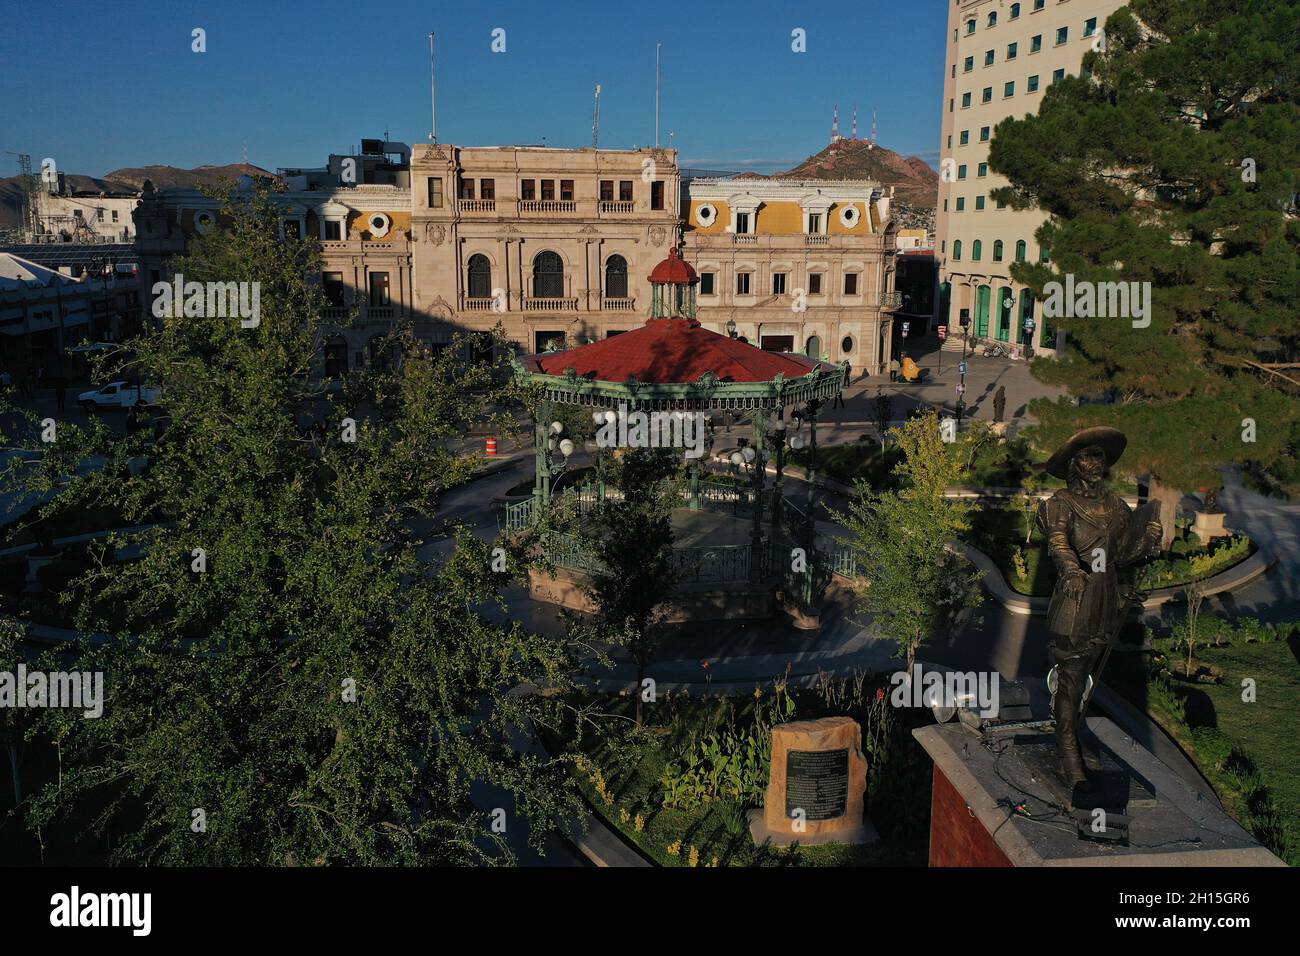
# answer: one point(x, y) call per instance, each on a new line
point(909, 576)
point(631, 535)
point(294, 676)
point(1172, 161)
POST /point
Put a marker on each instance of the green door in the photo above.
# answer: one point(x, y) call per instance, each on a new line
point(1005, 302)
point(1026, 312)
point(982, 311)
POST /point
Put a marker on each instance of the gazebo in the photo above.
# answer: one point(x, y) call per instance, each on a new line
point(674, 365)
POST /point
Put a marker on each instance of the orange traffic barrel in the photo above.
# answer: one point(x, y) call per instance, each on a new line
point(491, 447)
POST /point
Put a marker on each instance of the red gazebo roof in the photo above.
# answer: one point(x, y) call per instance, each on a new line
point(675, 270)
point(672, 351)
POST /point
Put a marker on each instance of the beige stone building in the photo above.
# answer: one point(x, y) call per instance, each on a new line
point(1001, 58)
point(555, 244)
point(796, 266)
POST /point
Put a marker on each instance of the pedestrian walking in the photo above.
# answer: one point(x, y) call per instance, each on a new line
point(999, 403)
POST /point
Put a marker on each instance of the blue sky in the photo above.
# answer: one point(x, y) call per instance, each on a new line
point(98, 85)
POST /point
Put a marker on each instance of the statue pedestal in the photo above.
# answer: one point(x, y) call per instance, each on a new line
point(1172, 822)
point(1209, 525)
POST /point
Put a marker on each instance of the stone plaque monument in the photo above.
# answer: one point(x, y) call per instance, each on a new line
point(817, 786)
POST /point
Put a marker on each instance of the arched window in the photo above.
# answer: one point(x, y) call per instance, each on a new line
point(548, 276)
point(1020, 250)
point(997, 250)
point(956, 249)
point(813, 349)
point(976, 250)
point(480, 277)
point(993, 19)
point(616, 277)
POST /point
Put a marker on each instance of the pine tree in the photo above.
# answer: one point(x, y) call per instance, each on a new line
point(1173, 161)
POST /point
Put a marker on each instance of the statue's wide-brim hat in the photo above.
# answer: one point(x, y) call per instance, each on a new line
point(1111, 441)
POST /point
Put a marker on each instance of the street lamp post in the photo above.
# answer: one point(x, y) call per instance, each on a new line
point(1029, 337)
point(961, 385)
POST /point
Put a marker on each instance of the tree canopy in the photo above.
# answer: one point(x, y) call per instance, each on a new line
point(1173, 160)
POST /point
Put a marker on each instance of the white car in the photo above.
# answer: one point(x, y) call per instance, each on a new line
point(117, 395)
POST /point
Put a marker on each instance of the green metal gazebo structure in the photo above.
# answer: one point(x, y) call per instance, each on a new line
point(673, 364)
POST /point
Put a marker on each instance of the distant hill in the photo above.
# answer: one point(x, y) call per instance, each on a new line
point(164, 177)
point(913, 180)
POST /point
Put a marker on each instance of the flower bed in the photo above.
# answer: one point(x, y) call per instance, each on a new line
point(679, 789)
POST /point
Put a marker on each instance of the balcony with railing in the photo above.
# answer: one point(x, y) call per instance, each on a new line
point(889, 300)
point(335, 313)
point(551, 305)
point(619, 304)
point(477, 304)
point(380, 312)
point(744, 239)
point(477, 205)
point(547, 206)
point(618, 207)
point(815, 239)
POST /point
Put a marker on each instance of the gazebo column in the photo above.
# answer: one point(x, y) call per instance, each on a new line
point(759, 426)
point(811, 546)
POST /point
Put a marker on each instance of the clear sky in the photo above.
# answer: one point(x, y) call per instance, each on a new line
point(99, 85)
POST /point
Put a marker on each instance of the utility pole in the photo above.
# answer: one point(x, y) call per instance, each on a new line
point(433, 96)
point(658, 47)
point(595, 120)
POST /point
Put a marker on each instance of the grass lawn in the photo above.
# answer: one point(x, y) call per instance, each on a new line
point(623, 783)
point(1249, 751)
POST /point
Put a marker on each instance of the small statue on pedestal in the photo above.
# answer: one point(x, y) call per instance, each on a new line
point(1094, 539)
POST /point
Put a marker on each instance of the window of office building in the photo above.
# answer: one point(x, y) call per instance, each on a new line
point(1062, 34)
point(480, 277)
point(379, 289)
point(487, 188)
point(332, 282)
point(988, 58)
point(997, 250)
point(1090, 26)
point(1058, 76)
point(1020, 250)
point(548, 274)
point(657, 194)
point(987, 95)
point(467, 189)
point(970, 27)
point(1009, 88)
point(961, 171)
point(1014, 14)
point(956, 249)
point(528, 189)
point(976, 250)
point(993, 18)
point(616, 277)
point(706, 283)
point(435, 192)
point(814, 283)
point(979, 202)
point(1031, 84)
point(965, 137)
point(968, 64)
point(333, 230)
point(607, 190)
point(1012, 49)
point(1036, 43)
point(742, 282)
point(850, 283)
point(566, 190)
point(742, 223)
point(961, 204)
point(548, 189)
point(982, 170)
point(984, 134)
point(778, 283)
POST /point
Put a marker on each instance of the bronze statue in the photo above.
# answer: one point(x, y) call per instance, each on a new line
point(1094, 539)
